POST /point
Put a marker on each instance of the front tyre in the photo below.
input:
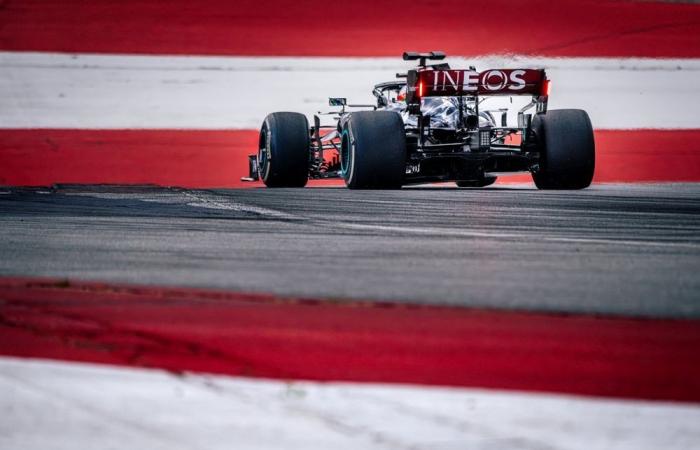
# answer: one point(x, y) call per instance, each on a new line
point(567, 149)
point(373, 150)
point(283, 155)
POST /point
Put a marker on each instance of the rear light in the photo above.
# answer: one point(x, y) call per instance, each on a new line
point(545, 88)
point(420, 89)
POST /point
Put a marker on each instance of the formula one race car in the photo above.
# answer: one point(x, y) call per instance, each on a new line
point(430, 126)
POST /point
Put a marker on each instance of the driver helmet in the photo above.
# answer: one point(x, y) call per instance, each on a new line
point(401, 96)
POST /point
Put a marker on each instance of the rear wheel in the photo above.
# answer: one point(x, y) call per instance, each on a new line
point(283, 155)
point(567, 149)
point(373, 150)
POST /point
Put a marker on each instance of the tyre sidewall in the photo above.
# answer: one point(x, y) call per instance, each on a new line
point(376, 147)
point(567, 149)
point(285, 136)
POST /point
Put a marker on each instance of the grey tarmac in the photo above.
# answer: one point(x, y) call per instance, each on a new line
point(611, 249)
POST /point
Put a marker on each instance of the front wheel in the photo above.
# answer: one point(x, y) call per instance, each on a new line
point(283, 155)
point(567, 149)
point(373, 150)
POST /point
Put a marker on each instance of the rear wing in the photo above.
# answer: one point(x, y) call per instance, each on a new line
point(446, 83)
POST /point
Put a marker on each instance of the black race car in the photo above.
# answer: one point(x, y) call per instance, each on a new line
point(427, 126)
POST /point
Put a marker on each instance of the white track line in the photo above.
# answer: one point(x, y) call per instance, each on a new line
point(56, 405)
point(53, 90)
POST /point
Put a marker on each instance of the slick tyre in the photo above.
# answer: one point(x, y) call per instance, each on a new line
point(373, 150)
point(567, 149)
point(283, 155)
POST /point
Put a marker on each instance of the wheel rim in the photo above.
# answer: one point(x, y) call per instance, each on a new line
point(345, 153)
point(263, 160)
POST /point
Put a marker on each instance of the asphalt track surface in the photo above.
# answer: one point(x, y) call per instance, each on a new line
point(611, 249)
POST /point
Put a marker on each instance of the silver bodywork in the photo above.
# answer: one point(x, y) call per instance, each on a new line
point(443, 113)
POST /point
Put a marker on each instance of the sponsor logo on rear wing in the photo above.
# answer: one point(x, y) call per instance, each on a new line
point(445, 83)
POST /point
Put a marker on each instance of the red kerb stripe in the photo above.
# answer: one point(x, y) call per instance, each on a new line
point(357, 28)
point(273, 337)
point(208, 159)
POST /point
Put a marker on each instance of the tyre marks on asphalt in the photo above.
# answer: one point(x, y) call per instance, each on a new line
point(209, 200)
point(610, 249)
point(203, 199)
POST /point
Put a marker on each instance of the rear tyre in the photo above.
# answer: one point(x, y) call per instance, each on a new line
point(488, 180)
point(567, 149)
point(373, 150)
point(283, 155)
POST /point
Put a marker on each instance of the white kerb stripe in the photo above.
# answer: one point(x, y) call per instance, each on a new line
point(53, 90)
point(61, 405)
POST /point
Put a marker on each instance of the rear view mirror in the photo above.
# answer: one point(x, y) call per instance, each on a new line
point(337, 101)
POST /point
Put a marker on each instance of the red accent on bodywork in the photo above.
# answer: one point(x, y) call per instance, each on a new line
point(546, 88)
